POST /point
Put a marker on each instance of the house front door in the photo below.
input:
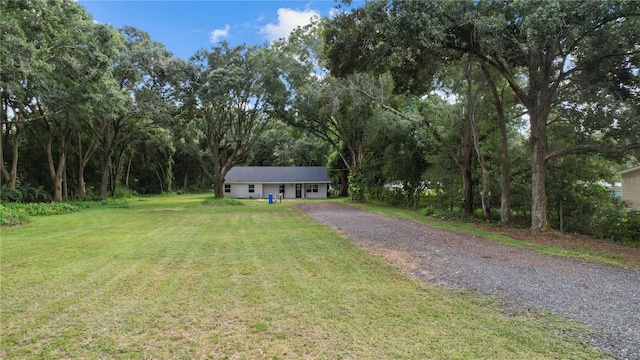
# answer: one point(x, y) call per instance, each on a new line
point(298, 191)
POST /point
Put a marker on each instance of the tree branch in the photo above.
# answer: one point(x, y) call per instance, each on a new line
point(592, 148)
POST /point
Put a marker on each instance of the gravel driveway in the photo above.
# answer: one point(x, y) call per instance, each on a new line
point(605, 298)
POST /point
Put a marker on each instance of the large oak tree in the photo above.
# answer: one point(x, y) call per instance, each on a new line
point(540, 48)
point(234, 94)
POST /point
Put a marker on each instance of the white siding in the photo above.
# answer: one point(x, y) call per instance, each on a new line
point(270, 189)
point(631, 188)
point(321, 194)
point(241, 191)
point(261, 191)
point(289, 191)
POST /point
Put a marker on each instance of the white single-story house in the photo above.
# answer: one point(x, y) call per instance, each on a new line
point(293, 182)
point(631, 186)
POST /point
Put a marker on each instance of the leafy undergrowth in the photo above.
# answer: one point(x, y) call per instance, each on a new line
point(170, 278)
point(19, 213)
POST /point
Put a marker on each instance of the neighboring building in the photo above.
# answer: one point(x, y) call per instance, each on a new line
point(293, 182)
point(631, 186)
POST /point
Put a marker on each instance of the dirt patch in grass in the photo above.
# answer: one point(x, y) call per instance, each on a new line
point(627, 253)
point(400, 259)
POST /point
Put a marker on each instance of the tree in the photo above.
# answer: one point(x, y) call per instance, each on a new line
point(82, 52)
point(141, 94)
point(283, 145)
point(236, 93)
point(335, 111)
point(17, 63)
point(54, 74)
point(398, 157)
point(152, 153)
point(548, 44)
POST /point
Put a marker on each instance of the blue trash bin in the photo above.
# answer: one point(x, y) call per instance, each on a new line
point(270, 198)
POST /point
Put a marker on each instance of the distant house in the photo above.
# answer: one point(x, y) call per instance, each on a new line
point(631, 186)
point(293, 182)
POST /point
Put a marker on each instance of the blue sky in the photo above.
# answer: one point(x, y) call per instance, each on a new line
point(187, 26)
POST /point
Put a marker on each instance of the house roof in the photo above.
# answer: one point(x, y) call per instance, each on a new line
point(277, 174)
point(624, 172)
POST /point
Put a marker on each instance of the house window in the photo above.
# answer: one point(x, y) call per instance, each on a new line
point(227, 188)
point(251, 188)
point(281, 191)
point(312, 188)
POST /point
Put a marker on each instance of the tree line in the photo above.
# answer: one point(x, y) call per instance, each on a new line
point(519, 110)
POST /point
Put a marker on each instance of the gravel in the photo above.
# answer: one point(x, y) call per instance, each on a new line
point(605, 298)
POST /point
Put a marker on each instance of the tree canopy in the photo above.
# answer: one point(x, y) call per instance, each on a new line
point(463, 107)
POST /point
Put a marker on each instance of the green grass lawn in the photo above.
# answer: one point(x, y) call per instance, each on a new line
point(172, 278)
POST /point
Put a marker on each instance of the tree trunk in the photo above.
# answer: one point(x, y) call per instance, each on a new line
point(344, 183)
point(83, 159)
point(505, 162)
point(56, 173)
point(505, 174)
point(218, 185)
point(82, 186)
point(486, 205)
point(539, 173)
point(467, 189)
point(11, 176)
point(106, 172)
point(465, 167)
point(169, 174)
point(561, 213)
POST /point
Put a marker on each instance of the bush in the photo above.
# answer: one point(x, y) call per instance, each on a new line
point(24, 194)
point(19, 213)
point(356, 187)
point(621, 225)
point(109, 203)
point(44, 209)
point(10, 216)
point(123, 193)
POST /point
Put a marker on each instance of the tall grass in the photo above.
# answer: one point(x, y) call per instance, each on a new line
point(171, 278)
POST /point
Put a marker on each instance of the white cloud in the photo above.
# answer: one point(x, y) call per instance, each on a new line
point(333, 12)
point(218, 34)
point(288, 19)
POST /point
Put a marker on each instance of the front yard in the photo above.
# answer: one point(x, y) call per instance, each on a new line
point(172, 278)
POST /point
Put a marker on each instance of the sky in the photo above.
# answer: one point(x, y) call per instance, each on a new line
point(185, 27)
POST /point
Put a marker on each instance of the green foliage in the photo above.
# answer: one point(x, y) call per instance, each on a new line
point(19, 213)
point(620, 224)
point(11, 215)
point(224, 201)
point(357, 187)
point(24, 193)
point(43, 209)
point(123, 193)
point(109, 203)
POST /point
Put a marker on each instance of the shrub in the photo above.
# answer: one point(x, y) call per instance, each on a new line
point(621, 225)
point(357, 187)
point(109, 203)
point(44, 209)
point(123, 193)
point(24, 194)
point(19, 213)
point(10, 215)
